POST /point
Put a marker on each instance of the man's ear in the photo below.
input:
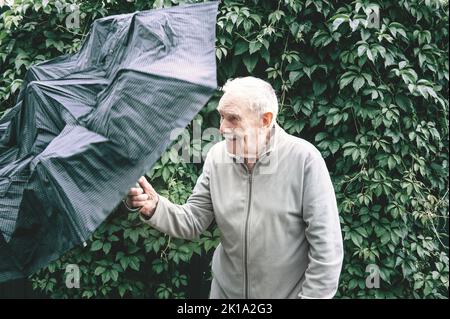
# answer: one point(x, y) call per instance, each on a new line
point(267, 119)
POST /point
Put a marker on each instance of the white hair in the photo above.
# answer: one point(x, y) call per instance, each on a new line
point(259, 94)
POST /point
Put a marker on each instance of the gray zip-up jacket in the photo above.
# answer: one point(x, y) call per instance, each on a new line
point(279, 223)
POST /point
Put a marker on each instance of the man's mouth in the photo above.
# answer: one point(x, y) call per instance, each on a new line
point(230, 137)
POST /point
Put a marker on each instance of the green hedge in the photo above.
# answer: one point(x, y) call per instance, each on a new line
point(372, 98)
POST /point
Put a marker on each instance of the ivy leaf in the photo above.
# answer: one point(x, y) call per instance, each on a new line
point(334, 146)
point(241, 47)
point(294, 76)
point(319, 88)
point(358, 83)
point(254, 47)
point(250, 62)
point(337, 22)
point(96, 245)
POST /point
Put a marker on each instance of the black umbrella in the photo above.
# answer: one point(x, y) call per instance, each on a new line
point(87, 125)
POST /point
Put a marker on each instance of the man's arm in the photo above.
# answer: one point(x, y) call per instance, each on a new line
point(323, 232)
point(186, 221)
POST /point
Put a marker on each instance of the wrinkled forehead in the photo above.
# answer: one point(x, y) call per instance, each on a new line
point(233, 103)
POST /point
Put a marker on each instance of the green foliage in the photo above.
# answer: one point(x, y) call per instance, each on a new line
point(374, 100)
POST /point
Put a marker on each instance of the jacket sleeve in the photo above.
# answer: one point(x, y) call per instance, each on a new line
point(323, 232)
point(186, 221)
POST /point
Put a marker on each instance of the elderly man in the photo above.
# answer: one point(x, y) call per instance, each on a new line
point(272, 198)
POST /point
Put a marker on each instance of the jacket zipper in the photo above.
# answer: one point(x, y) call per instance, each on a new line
point(250, 180)
point(246, 233)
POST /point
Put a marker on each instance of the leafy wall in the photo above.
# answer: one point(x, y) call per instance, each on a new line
point(369, 90)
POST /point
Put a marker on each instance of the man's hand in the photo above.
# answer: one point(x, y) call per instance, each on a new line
point(144, 196)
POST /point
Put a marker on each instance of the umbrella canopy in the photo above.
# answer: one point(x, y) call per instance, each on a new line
point(86, 126)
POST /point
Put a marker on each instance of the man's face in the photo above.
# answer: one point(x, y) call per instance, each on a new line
point(244, 130)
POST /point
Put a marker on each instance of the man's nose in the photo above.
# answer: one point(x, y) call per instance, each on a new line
point(222, 127)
